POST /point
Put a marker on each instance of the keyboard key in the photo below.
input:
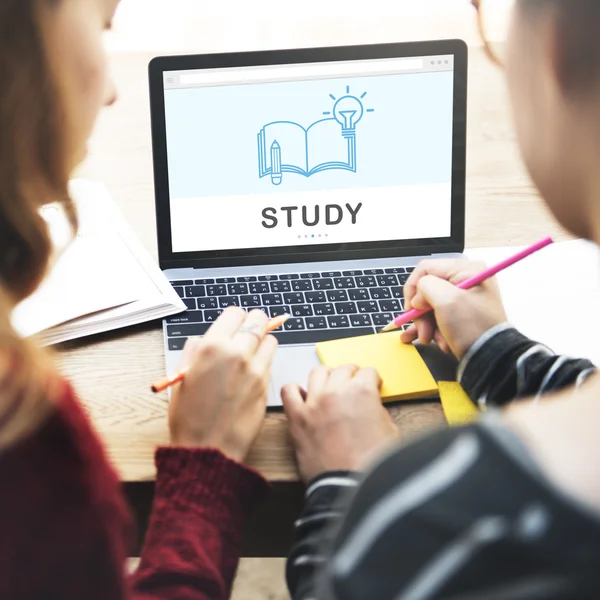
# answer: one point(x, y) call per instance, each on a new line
point(354, 273)
point(215, 290)
point(373, 271)
point(390, 306)
point(294, 298)
point(367, 307)
point(268, 278)
point(182, 283)
point(179, 291)
point(289, 276)
point(272, 300)
point(311, 336)
point(360, 321)
point(225, 301)
point(226, 280)
point(367, 281)
point(387, 280)
point(337, 296)
point(402, 279)
point(338, 322)
point(294, 325)
point(204, 281)
point(397, 292)
point(177, 343)
point(190, 303)
point(323, 284)
point(262, 287)
point(236, 289)
point(302, 310)
point(246, 279)
point(277, 311)
point(208, 302)
point(263, 308)
point(316, 323)
point(360, 294)
point(410, 269)
point(331, 274)
point(380, 293)
point(280, 286)
point(344, 283)
point(251, 301)
point(302, 285)
point(194, 291)
point(190, 316)
point(313, 297)
point(212, 315)
point(396, 270)
point(346, 308)
point(381, 319)
point(310, 275)
point(187, 330)
point(324, 309)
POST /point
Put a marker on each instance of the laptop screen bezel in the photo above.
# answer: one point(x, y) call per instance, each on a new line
point(295, 254)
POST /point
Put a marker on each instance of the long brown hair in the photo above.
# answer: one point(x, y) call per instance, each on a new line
point(33, 172)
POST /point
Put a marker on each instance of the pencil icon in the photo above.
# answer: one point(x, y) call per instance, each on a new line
point(276, 176)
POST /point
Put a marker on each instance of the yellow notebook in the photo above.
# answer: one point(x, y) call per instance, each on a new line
point(404, 373)
point(459, 409)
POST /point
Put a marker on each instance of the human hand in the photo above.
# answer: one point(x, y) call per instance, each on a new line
point(222, 400)
point(340, 422)
point(460, 317)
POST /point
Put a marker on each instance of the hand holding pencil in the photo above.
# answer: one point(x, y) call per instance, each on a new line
point(459, 317)
point(222, 401)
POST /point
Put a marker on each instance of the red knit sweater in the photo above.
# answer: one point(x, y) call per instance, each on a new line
point(65, 529)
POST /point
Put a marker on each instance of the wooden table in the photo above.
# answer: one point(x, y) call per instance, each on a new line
point(111, 372)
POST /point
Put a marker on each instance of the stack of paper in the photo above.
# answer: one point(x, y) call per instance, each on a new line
point(103, 280)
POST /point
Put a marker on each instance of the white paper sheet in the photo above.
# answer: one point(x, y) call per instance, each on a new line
point(553, 296)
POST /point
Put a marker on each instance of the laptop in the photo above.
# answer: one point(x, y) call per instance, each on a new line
point(307, 181)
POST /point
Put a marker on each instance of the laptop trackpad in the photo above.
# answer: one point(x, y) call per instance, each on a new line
point(292, 364)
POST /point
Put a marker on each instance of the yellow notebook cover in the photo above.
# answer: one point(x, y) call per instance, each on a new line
point(459, 409)
point(404, 373)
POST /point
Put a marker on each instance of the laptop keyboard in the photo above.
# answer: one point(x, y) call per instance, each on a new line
point(323, 305)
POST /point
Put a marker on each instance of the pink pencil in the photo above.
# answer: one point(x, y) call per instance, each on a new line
point(413, 314)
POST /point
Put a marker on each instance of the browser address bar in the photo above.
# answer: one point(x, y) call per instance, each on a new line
point(291, 72)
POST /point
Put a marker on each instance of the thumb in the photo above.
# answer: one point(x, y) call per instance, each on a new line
point(433, 292)
point(292, 396)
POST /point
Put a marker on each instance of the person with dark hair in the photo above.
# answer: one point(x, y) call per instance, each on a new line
point(509, 507)
point(64, 527)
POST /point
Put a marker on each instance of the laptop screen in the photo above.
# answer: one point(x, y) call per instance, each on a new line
point(310, 154)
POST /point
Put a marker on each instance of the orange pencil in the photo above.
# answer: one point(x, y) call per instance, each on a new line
point(167, 382)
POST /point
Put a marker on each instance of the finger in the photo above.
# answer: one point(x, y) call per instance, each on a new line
point(370, 376)
point(317, 380)
point(342, 375)
point(409, 335)
point(189, 351)
point(227, 324)
point(293, 402)
point(453, 270)
point(263, 357)
point(426, 329)
point(251, 333)
point(440, 340)
point(438, 293)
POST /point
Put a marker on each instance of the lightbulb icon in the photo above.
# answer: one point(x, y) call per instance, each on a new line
point(348, 111)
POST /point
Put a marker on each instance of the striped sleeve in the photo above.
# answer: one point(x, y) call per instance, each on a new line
point(314, 528)
point(453, 516)
point(504, 365)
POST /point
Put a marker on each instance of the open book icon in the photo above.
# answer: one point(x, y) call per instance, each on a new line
point(328, 144)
